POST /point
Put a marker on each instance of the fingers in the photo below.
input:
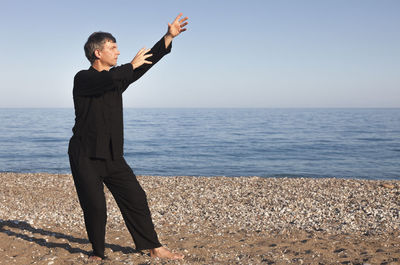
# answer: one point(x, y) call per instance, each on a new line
point(141, 57)
point(184, 24)
point(183, 19)
point(177, 18)
point(143, 51)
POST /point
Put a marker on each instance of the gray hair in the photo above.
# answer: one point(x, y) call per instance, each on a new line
point(95, 42)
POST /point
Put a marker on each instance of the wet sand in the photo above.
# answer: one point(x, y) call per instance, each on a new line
point(212, 220)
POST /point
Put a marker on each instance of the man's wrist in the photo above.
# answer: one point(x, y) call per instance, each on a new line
point(168, 40)
point(168, 36)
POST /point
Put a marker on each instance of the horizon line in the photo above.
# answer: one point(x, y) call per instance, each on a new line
point(214, 107)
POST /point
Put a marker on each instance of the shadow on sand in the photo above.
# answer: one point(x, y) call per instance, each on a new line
point(23, 226)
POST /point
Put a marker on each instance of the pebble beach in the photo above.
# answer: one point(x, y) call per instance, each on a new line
point(212, 220)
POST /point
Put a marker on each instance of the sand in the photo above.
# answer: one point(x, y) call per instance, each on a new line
point(212, 220)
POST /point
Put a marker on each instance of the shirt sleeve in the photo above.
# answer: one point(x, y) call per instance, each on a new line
point(125, 75)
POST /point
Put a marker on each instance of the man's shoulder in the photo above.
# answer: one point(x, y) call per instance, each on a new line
point(92, 82)
point(122, 67)
point(84, 73)
point(90, 74)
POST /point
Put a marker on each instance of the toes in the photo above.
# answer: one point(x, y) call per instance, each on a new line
point(178, 256)
point(164, 253)
point(94, 257)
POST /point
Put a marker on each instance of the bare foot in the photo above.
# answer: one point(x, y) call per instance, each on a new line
point(94, 258)
point(164, 253)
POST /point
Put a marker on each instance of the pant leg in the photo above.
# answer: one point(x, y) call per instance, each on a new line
point(132, 201)
point(89, 186)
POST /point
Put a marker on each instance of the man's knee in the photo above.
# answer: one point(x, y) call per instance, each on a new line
point(95, 212)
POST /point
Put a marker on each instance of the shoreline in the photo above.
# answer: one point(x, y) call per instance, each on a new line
point(212, 220)
point(278, 176)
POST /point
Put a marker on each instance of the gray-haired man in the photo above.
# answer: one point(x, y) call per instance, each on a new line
point(96, 147)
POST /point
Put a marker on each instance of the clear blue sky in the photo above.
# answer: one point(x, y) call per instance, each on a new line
point(331, 53)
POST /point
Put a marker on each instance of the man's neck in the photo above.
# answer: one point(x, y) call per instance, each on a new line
point(99, 66)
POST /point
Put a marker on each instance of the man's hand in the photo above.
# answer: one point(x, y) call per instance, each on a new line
point(177, 26)
point(175, 29)
point(141, 57)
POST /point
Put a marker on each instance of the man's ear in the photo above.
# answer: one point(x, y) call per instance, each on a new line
point(97, 54)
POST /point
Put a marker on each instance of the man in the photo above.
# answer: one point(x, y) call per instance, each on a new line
point(96, 147)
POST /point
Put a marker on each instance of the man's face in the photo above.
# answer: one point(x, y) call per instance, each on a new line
point(109, 54)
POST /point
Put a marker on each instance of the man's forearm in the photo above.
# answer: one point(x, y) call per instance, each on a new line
point(167, 40)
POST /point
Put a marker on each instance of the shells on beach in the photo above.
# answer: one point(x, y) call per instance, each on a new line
point(223, 208)
point(249, 203)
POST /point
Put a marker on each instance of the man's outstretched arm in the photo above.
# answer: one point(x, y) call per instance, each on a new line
point(146, 58)
point(174, 29)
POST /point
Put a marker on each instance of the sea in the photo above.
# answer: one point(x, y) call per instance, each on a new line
point(316, 143)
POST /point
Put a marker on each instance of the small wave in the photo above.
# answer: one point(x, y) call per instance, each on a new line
point(374, 139)
point(48, 140)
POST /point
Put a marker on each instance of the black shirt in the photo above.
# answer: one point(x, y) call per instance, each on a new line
point(98, 105)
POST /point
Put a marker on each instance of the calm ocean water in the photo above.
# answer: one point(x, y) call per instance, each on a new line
point(350, 143)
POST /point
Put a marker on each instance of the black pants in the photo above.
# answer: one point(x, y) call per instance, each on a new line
point(89, 175)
